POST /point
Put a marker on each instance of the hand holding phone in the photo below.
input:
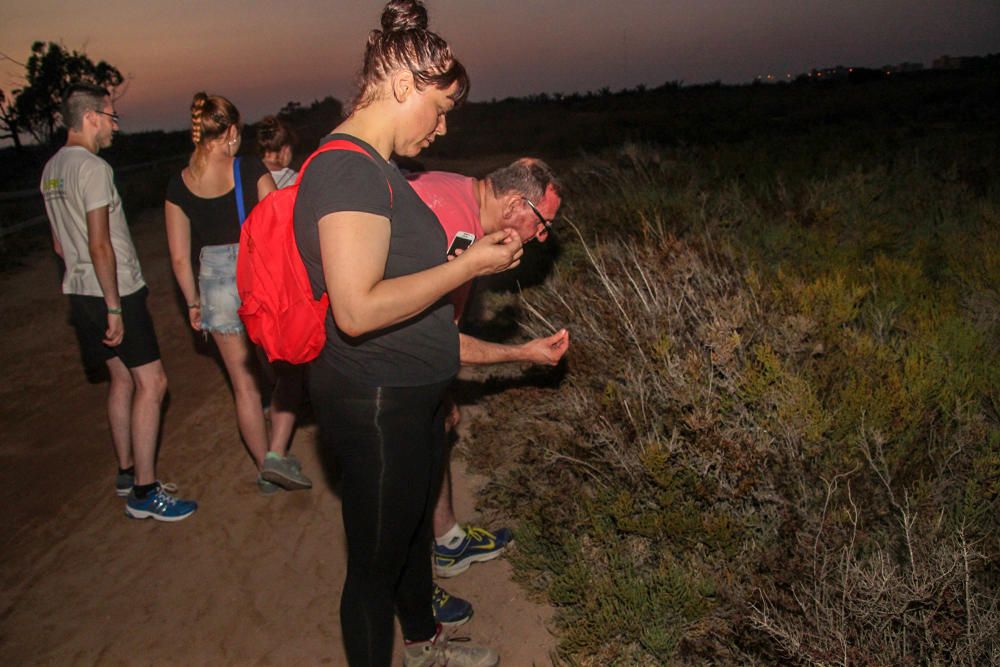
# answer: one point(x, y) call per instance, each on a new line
point(496, 252)
point(461, 241)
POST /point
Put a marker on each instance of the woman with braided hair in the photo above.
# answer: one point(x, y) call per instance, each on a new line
point(392, 345)
point(206, 204)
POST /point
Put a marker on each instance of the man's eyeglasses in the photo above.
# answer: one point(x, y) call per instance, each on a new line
point(112, 115)
point(538, 214)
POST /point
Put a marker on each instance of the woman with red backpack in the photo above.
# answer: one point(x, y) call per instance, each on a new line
point(391, 347)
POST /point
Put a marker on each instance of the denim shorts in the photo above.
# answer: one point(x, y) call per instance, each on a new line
point(217, 284)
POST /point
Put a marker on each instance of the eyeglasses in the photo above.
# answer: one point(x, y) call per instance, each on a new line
point(538, 214)
point(112, 115)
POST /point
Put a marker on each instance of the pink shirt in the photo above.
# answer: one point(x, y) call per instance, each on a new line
point(455, 201)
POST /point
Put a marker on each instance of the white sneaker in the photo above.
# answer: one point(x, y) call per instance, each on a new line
point(441, 650)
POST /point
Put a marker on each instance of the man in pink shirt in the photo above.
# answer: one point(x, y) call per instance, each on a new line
point(523, 196)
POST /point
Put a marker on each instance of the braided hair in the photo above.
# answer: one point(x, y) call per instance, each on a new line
point(211, 118)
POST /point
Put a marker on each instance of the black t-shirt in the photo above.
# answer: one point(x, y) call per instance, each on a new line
point(421, 350)
point(215, 220)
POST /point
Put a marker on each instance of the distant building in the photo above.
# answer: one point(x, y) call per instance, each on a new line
point(953, 62)
point(830, 73)
point(772, 78)
point(863, 74)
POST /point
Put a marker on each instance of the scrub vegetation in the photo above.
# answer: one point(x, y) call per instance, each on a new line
point(776, 439)
point(776, 436)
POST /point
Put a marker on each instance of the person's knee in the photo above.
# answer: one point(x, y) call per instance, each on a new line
point(121, 378)
point(245, 389)
point(160, 385)
point(121, 384)
point(151, 381)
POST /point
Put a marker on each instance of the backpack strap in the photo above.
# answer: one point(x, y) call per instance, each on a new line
point(341, 145)
point(239, 191)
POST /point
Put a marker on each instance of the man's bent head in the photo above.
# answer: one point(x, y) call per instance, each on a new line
point(531, 196)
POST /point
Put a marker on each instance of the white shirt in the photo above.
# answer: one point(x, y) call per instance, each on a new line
point(74, 182)
point(284, 177)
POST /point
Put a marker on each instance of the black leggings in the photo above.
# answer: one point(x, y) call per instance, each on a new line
point(388, 443)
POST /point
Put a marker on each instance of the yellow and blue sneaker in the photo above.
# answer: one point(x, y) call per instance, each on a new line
point(448, 609)
point(478, 545)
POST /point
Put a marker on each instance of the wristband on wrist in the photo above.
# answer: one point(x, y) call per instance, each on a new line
point(115, 311)
point(192, 306)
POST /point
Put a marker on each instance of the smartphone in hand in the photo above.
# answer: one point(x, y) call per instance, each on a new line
point(461, 241)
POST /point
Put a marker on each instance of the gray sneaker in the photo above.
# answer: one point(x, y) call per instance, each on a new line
point(266, 488)
point(444, 651)
point(123, 483)
point(285, 471)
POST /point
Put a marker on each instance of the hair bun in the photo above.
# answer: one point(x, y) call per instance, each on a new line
point(267, 128)
point(402, 15)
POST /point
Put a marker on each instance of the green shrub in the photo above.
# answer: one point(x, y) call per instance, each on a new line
point(778, 426)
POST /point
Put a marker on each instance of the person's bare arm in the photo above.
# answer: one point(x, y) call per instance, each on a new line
point(102, 254)
point(179, 242)
point(546, 351)
point(354, 247)
point(56, 244)
point(265, 186)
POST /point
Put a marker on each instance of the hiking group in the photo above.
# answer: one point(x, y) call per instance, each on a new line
point(396, 254)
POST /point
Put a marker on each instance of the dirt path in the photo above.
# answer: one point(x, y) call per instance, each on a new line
point(248, 580)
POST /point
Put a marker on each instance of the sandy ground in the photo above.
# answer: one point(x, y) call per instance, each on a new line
point(248, 580)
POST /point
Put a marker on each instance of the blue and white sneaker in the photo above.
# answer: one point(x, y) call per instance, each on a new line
point(448, 609)
point(479, 545)
point(159, 505)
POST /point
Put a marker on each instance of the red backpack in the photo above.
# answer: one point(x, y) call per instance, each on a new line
point(277, 304)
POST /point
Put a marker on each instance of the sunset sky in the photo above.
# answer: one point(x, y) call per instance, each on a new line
point(263, 54)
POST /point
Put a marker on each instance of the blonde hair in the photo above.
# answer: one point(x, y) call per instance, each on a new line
point(211, 118)
point(404, 42)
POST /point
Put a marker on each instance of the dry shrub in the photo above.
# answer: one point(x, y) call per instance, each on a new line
point(756, 461)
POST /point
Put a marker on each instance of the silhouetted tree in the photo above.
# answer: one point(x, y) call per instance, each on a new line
point(290, 109)
point(47, 73)
point(313, 122)
point(8, 121)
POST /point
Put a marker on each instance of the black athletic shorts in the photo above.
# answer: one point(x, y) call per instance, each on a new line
point(89, 315)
